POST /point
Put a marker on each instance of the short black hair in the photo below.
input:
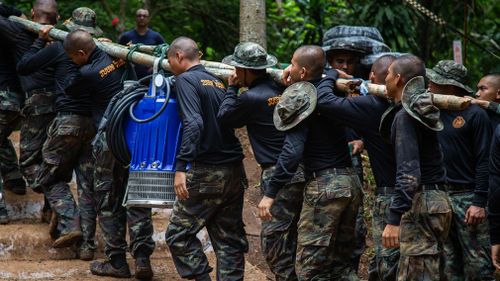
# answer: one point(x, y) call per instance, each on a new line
point(185, 45)
point(312, 58)
point(409, 66)
point(495, 78)
point(381, 65)
point(79, 40)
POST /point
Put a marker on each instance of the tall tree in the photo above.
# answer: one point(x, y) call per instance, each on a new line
point(253, 21)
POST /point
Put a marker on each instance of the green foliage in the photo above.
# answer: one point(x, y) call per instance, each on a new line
point(290, 24)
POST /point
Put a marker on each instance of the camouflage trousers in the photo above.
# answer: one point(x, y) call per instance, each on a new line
point(38, 112)
point(326, 226)
point(10, 117)
point(110, 180)
point(68, 149)
point(215, 202)
point(424, 230)
point(279, 235)
point(468, 247)
point(384, 264)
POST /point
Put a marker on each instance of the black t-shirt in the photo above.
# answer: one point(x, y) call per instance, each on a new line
point(320, 143)
point(8, 76)
point(494, 183)
point(101, 77)
point(254, 108)
point(21, 40)
point(39, 57)
point(465, 141)
point(204, 140)
point(364, 114)
point(419, 161)
point(149, 38)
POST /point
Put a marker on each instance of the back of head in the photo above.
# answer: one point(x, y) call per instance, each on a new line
point(380, 68)
point(312, 58)
point(186, 46)
point(408, 67)
point(79, 40)
point(45, 11)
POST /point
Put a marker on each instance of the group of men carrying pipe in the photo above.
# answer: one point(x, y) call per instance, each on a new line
point(432, 167)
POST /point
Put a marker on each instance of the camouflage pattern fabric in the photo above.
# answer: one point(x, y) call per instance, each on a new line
point(215, 202)
point(448, 72)
point(251, 56)
point(468, 247)
point(109, 188)
point(384, 264)
point(39, 113)
point(424, 230)
point(326, 226)
point(10, 117)
point(279, 235)
point(68, 148)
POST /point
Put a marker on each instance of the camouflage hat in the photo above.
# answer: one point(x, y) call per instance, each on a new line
point(448, 72)
point(296, 103)
point(417, 101)
point(85, 19)
point(250, 55)
point(360, 39)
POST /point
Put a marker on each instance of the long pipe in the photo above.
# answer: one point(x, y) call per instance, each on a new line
point(223, 71)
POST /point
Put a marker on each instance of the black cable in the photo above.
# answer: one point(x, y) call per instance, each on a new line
point(163, 106)
point(115, 115)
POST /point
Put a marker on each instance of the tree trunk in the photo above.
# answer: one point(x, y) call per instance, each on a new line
point(253, 21)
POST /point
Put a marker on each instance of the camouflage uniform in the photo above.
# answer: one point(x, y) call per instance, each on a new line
point(39, 112)
point(215, 202)
point(109, 189)
point(68, 148)
point(468, 247)
point(424, 230)
point(10, 117)
point(384, 264)
point(326, 226)
point(279, 235)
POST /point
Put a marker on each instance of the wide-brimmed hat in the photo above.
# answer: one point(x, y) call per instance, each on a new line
point(85, 19)
point(250, 55)
point(448, 72)
point(296, 103)
point(417, 101)
point(359, 39)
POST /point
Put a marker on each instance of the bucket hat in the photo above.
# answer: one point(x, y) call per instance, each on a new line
point(448, 72)
point(251, 56)
point(417, 101)
point(297, 102)
point(85, 19)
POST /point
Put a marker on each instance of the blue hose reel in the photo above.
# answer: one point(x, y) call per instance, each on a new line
point(152, 132)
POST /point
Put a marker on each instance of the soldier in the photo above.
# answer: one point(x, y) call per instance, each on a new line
point(420, 212)
point(68, 146)
point(333, 191)
point(494, 198)
point(465, 141)
point(209, 193)
point(364, 114)
point(39, 106)
point(488, 97)
point(109, 176)
point(254, 109)
point(11, 101)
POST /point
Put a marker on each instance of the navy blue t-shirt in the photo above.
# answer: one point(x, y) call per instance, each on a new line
point(149, 38)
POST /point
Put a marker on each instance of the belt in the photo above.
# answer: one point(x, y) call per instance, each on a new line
point(428, 187)
point(335, 171)
point(384, 190)
point(234, 164)
point(455, 187)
